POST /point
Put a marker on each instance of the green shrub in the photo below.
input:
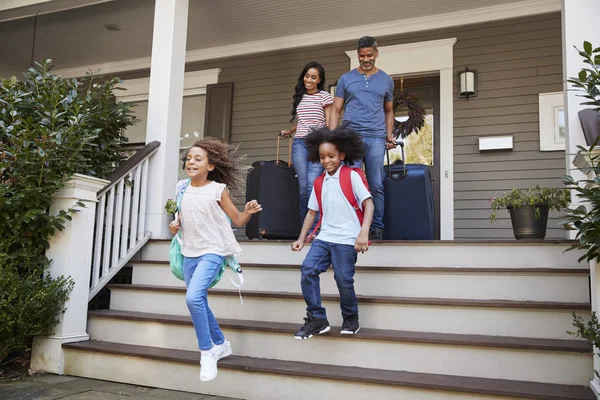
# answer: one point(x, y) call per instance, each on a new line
point(50, 129)
point(29, 306)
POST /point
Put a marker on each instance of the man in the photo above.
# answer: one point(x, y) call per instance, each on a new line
point(368, 93)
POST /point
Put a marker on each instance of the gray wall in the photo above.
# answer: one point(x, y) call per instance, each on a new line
point(516, 59)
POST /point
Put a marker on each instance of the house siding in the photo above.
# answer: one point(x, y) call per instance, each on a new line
point(516, 60)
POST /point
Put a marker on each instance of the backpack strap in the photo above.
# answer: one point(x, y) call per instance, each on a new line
point(318, 188)
point(346, 185)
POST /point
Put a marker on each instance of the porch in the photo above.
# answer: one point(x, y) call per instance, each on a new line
point(455, 318)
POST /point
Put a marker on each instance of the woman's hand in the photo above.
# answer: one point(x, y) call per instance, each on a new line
point(174, 227)
point(252, 207)
point(285, 133)
point(298, 245)
point(362, 243)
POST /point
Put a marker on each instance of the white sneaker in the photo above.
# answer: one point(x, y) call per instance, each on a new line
point(208, 364)
point(222, 350)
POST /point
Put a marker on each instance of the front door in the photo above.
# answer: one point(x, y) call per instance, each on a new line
point(423, 147)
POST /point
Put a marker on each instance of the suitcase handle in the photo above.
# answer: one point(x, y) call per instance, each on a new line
point(387, 154)
point(279, 136)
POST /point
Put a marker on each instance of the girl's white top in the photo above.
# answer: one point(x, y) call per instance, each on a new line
point(205, 227)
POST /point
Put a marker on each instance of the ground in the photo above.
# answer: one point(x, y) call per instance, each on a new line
point(53, 387)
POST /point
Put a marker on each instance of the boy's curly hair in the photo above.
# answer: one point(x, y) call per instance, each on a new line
point(346, 140)
point(229, 169)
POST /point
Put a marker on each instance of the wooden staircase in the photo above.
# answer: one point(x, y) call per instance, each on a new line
point(439, 320)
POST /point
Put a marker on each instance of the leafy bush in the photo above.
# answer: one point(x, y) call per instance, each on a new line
point(586, 218)
point(555, 199)
point(50, 129)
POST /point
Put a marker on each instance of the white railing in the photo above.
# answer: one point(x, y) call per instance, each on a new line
point(120, 218)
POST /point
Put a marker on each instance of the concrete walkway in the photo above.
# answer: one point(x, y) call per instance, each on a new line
point(52, 387)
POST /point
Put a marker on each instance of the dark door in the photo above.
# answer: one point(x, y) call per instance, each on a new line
point(424, 147)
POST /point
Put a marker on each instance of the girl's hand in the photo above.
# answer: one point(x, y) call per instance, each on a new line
point(362, 243)
point(174, 227)
point(252, 207)
point(285, 133)
point(297, 245)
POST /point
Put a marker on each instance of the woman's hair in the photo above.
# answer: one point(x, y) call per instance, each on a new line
point(301, 89)
point(346, 140)
point(229, 169)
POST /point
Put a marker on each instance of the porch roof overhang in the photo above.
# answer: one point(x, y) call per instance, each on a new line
point(76, 39)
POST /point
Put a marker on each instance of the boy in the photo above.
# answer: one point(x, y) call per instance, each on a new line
point(342, 232)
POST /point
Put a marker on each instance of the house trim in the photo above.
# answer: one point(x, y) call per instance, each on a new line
point(424, 57)
point(194, 83)
point(486, 14)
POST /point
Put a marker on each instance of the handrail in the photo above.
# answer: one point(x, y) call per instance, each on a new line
point(119, 231)
point(124, 168)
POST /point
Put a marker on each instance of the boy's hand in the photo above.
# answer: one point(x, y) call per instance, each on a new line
point(362, 243)
point(174, 227)
point(298, 245)
point(252, 207)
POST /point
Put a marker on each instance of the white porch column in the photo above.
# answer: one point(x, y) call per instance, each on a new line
point(579, 23)
point(71, 254)
point(164, 108)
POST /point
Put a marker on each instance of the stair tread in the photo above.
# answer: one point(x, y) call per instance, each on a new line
point(498, 387)
point(503, 342)
point(503, 242)
point(377, 268)
point(427, 301)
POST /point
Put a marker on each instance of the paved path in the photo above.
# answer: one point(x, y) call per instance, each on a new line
point(53, 387)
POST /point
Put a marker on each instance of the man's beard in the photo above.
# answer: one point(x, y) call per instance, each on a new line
point(367, 66)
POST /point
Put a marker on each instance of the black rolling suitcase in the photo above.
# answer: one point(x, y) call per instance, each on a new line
point(274, 185)
point(409, 204)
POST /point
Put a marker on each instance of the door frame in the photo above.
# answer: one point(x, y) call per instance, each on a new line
point(435, 56)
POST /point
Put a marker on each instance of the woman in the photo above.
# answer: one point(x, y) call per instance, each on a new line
point(311, 108)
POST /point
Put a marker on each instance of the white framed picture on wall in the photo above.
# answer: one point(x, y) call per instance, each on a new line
point(552, 121)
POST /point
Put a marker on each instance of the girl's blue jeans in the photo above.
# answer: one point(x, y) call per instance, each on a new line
point(199, 272)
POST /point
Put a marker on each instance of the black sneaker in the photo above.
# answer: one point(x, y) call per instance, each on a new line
point(312, 326)
point(350, 325)
point(376, 234)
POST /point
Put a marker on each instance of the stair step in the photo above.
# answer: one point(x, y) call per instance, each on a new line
point(493, 254)
point(545, 319)
point(425, 301)
point(503, 342)
point(380, 268)
point(566, 362)
point(310, 372)
point(536, 284)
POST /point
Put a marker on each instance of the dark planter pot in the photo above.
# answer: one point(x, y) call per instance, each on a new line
point(524, 223)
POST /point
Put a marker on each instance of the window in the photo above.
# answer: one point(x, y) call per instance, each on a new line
point(552, 121)
point(194, 102)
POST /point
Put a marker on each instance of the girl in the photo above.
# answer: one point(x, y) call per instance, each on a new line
point(207, 237)
point(312, 107)
point(342, 232)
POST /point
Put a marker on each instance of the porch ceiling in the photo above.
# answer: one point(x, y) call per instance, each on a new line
point(78, 37)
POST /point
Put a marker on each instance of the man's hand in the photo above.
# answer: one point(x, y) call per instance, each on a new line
point(252, 207)
point(174, 227)
point(362, 243)
point(298, 245)
point(390, 142)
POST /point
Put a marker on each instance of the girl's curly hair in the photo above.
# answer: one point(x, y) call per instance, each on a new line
point(229, 169)
point(346, 140)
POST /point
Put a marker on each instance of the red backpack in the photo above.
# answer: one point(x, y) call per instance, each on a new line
point(346, 185)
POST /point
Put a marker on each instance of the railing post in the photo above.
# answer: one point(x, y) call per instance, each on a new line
point(71, 254)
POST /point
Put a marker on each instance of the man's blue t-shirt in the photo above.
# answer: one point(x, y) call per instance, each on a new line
point(364, 97)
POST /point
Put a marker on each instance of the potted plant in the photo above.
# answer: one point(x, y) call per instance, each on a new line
point(529, 209)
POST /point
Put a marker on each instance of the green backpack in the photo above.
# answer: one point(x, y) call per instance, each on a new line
point(176, 258)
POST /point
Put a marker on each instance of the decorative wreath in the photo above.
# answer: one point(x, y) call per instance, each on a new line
point(416, 113)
